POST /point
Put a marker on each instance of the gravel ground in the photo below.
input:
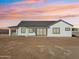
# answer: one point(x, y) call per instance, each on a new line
point(39, 48)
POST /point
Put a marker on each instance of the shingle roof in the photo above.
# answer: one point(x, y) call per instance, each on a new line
point(36, 23)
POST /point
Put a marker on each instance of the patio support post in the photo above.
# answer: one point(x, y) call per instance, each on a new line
point(9, 32)
point(16, 32)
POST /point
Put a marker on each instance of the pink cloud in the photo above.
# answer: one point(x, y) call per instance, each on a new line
point(25, 2)
point(14, 11)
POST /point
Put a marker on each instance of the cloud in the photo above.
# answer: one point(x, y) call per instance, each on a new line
point(26, 2)
point(15, 11)
point(46, 8)
point(6, 24)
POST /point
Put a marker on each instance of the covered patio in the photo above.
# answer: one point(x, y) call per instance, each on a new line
point(13, 31)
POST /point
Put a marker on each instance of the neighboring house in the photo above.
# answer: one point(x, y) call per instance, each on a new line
point(75, 29)
point(75, 32)
point(58, 28)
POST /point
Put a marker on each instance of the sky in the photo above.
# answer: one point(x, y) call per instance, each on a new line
point(14, 11)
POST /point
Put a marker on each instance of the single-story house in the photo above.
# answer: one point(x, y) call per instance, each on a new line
point(58, 28)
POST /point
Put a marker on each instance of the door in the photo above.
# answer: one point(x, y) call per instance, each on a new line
point(41, 32)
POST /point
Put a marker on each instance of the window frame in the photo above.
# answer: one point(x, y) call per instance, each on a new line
point(23, 29)
point(41, 31)
point(56, 30)
point(31, 30)
point(67, 28)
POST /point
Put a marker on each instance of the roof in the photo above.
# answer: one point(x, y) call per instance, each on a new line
point(65, 22)
point(38, 23)
point(13, 26)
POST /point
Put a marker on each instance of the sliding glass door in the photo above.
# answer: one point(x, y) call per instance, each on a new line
point(41, 32)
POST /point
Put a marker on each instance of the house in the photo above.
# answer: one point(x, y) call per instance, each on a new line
point(58, 28)
point(75, 29)
point(75, 32)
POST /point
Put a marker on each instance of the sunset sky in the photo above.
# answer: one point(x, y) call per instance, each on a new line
point(13, 11)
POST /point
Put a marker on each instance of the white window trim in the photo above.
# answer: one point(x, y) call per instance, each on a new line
point(23, 29)
point(67, 28)
point(31, 30)
point(56, 30)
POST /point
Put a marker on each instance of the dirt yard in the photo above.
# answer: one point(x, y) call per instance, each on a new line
point(39, 48)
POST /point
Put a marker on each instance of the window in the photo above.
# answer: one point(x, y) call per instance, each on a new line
point(31, 30)
point(67, 29)
point(56, 30)
point(23, 30)
point(74, 29)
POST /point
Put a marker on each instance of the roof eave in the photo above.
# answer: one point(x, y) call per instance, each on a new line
point(65, 22)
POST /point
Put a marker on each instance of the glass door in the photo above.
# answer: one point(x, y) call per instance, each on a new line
point(41, 32)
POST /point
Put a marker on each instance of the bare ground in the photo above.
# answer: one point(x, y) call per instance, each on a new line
point(39, 48)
